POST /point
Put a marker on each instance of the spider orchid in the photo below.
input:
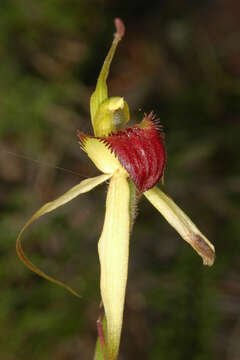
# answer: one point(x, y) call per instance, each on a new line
point(133, 158)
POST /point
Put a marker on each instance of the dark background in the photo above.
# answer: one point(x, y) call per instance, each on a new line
point(180, 58)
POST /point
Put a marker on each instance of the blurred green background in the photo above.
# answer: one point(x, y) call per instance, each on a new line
point(180, 58)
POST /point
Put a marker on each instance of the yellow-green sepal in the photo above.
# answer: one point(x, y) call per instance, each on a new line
point(101, 92)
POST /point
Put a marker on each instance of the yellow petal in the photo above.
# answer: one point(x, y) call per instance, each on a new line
point(101, 92)
point(113, 253)
point(181, 222)
point(84, 186)
point(101, 155)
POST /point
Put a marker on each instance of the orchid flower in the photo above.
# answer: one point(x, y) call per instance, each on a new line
point(133, 160)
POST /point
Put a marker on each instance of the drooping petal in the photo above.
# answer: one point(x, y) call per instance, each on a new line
point(82, 187)
point(113, 250)
point(181, 222)
point(101, 92)
point(140, 149)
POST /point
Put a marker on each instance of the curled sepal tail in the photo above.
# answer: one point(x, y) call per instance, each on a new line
point(82, 187)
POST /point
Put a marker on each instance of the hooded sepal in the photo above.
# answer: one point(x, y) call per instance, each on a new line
point(101, 92)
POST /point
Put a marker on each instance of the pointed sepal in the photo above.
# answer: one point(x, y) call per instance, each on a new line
point(101, 92)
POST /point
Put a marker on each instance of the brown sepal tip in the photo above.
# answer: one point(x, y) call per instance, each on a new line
point(204, 250)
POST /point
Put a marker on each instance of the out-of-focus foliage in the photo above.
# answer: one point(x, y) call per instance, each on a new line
point(181, 59)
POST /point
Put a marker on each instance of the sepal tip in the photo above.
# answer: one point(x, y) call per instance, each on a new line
point(120, 27)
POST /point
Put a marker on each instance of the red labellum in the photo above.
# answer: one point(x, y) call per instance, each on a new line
point(140, 150)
